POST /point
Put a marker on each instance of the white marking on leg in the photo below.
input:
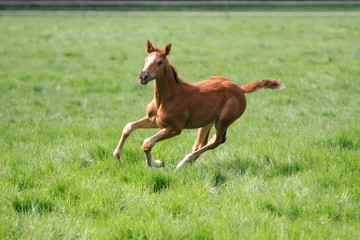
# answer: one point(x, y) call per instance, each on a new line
point(184, 162)
point(156, 163)
point(153, 163)
point(116, 153)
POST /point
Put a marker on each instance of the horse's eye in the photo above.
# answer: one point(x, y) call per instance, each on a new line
point(159, 63)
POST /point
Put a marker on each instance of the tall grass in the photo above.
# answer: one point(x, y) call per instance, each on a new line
point(289, 169)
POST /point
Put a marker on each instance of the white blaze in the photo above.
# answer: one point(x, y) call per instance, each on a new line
point(149, 60)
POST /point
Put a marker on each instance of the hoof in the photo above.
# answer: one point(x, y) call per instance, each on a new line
point(117, 154)
point(157, 163)
point(183, 162)
point(180, 165)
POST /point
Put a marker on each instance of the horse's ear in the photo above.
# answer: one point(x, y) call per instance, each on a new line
point(167, 49)
point(149, 47)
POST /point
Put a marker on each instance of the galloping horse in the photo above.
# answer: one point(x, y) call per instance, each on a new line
point(178, 105)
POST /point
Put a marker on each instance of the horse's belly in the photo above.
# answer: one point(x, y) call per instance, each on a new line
point(201, 116)
point(206, 106)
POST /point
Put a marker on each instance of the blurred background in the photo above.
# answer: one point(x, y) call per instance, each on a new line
point(177, 5)
point(69, 70)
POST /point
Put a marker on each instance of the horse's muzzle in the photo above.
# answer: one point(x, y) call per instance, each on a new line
point(144, 77)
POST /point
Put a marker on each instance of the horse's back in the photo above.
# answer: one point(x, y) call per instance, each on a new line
point(218, 84)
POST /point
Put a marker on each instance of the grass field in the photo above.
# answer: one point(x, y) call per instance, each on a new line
point(290, 168)
point(256, 8)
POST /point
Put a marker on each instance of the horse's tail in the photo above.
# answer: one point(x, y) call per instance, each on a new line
point(262, 84)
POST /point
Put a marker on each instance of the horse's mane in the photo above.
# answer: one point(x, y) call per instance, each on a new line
point(176, 77)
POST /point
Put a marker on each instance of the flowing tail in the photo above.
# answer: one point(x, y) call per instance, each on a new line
point(262, 84)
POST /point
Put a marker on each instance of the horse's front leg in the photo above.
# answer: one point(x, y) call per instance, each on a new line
point(150, 142)
point(129, 128)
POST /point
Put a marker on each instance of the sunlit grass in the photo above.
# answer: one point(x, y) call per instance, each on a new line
point(289, 169)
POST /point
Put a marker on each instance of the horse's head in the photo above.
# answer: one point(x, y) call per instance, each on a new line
point(154, 63)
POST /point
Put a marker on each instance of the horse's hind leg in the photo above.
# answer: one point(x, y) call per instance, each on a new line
point(202, 137)
point(218, 139)
point(128, 129)
point(227, 116)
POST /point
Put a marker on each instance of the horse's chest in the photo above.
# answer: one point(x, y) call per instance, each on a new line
point(155, 117)
point(160, 123)
point(163, 118)
point(171, 114)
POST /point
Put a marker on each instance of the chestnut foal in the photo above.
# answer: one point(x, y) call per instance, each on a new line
point(178, 105)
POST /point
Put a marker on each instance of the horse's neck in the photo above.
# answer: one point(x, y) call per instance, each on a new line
point(165, 86)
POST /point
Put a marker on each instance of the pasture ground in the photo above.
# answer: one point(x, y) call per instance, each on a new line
point(290, 168)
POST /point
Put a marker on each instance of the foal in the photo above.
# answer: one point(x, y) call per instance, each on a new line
point(178, 105)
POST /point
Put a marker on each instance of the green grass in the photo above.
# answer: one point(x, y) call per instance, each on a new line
point(289, 170)
point(263, 8)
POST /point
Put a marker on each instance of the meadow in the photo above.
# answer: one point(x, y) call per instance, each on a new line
point(290, 168)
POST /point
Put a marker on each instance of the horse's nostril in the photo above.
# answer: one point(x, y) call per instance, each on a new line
point(144, 77)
